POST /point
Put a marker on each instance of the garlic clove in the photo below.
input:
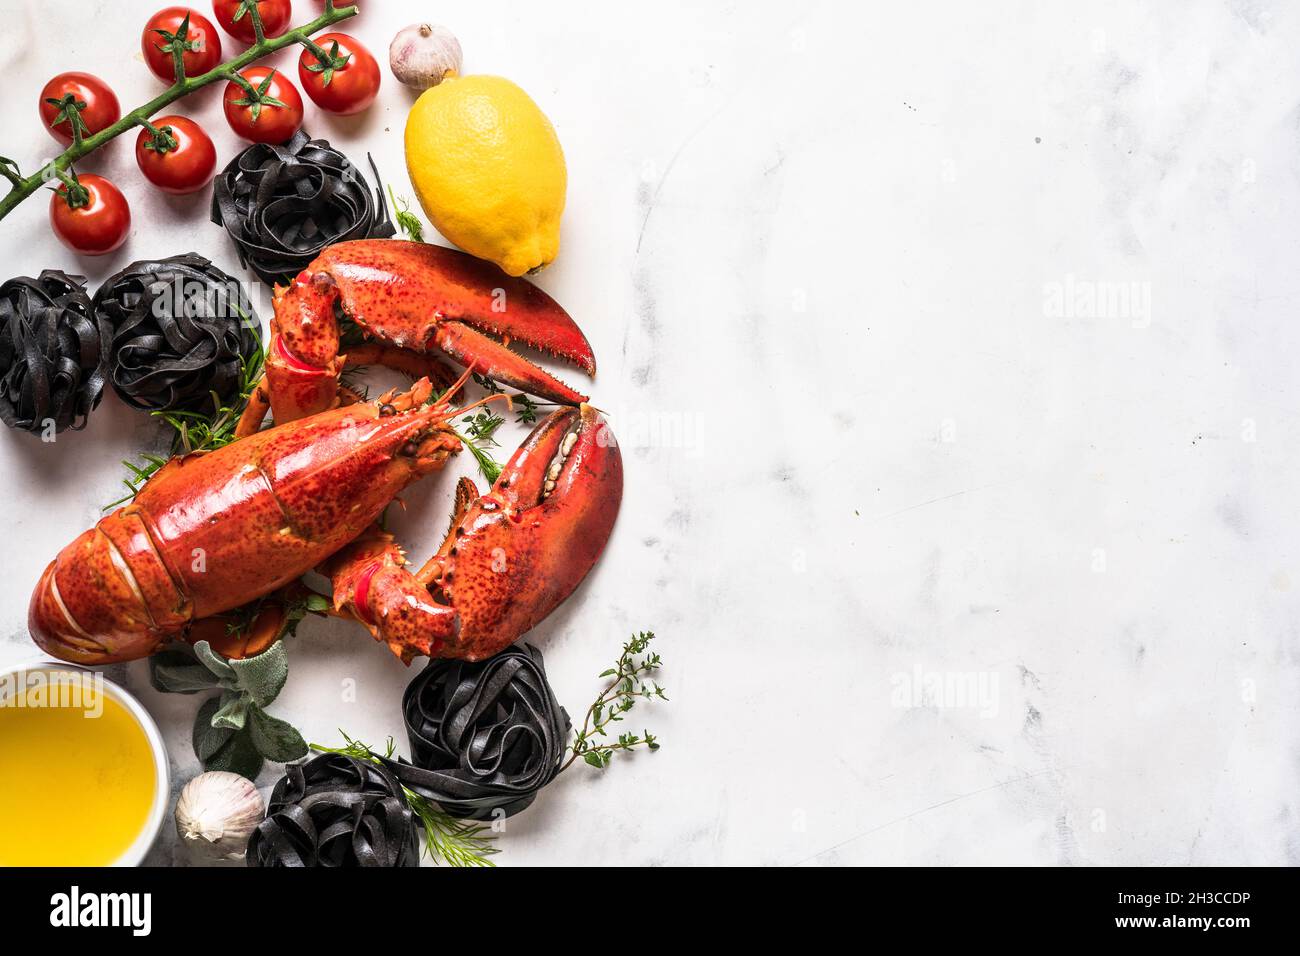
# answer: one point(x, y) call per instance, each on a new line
point(424, 54)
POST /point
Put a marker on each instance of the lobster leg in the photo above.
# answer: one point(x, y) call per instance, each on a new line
point(372, 582)
point(419, 297)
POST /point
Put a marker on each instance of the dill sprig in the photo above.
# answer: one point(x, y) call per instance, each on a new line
point(629, 683)
point(489, 466)
point(196, 431)
point(478, 438)
point(458, 842)
point(405, 218)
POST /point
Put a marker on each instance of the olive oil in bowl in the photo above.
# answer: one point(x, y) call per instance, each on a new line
point(79, 772)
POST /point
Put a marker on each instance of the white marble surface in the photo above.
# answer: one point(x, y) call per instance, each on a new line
point(823, 253)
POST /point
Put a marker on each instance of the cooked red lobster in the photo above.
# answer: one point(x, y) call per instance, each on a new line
point(215, 531)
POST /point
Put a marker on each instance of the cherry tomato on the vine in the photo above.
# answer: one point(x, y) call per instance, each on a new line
point(187, 166)
point(235, 18)
point(200, 43)
point(348, 83)
point(94, 103)
point(100, 221)
point(270, 113)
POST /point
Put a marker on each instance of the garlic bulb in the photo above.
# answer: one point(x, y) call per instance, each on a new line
point(423, 55)
point(216, 813)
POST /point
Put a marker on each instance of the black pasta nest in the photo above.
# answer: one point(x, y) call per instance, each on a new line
point(182, 330)
point(282, 205)
point(336, 811)
point(485, 736)
point(53, 352)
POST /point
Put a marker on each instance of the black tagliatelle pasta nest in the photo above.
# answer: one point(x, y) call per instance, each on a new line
point(182, 330)
point(53, 352)
point(485, 736)
point(336, 811)
point(282, 205)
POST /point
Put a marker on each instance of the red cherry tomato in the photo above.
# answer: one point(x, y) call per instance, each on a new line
point(96, 227)
point(202, 42)
point(275, 18)
point(185, 168)
point(96, 105)
point(270, 114)
point(347, 88)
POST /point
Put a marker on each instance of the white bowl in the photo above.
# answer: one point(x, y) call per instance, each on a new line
point(135, 853)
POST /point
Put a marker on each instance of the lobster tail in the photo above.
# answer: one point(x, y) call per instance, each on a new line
point(106, 597)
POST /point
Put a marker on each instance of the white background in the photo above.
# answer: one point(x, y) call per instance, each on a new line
point(815, 248)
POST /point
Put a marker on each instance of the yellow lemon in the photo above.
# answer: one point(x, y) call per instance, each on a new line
point(488, 169)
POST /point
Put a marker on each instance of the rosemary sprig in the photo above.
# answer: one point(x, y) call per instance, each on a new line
point(406, 220)
point(458, 842)
point(196, 431)
point(629, 683)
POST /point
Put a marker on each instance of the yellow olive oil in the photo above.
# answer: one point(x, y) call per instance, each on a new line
point(77, 778)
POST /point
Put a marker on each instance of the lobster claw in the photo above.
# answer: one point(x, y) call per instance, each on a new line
point(510, 557)
point(524, 547)
point(422, 298)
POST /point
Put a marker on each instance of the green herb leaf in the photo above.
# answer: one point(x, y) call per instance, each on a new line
point(319, 604)
point(273, 738)
point(207, 739)
point(175, 672)
point(406, 220)
point(238, 755)
point(233, 712)
point(217, 664)
point(262, 676)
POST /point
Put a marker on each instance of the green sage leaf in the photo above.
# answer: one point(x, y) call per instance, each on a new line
point(175, 672)
point(263, 675)
point(233, 712)
point(206, 738)
point(237, 756)
point(273, 738)
point(214, 661)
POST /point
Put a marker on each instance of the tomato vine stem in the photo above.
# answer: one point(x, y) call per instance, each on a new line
point(22, 187)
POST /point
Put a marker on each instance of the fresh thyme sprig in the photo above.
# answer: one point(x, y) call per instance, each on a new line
point(629, 683)
point(406, 220)
point(197, 431)
point(458, 842)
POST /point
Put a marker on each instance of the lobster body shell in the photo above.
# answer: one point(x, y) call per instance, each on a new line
point(210, 532)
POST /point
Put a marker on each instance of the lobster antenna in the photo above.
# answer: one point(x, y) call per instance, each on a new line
point(494, 397)
point(456, 386)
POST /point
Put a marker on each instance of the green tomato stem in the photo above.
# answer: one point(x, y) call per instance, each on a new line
point(24, 188)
